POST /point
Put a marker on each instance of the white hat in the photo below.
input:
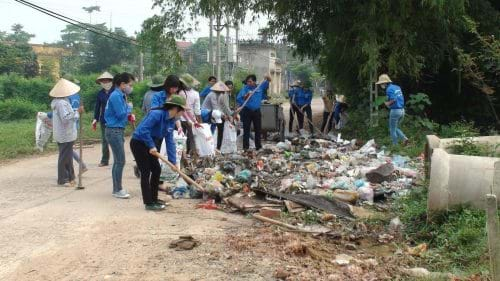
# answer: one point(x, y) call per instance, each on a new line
point(105, 75)
point(220, 87)
point(217, 116)
point(383, 79)
point(64, 88)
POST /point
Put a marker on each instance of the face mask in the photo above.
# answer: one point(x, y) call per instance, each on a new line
point(383, 86)
point(107, 86)
point(128, 90)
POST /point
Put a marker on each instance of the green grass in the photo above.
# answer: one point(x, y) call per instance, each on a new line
point(457, 238)
point(18, 137)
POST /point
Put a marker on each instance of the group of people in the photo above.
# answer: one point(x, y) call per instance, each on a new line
point(172, 104)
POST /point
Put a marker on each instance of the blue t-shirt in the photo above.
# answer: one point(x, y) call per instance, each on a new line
point(394, 93)
point(116, 110)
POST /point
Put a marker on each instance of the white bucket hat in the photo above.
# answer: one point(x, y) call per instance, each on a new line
point(217, 116)
point(64, 88)
point(220, 87)
point(105, 75)
point(383, 79)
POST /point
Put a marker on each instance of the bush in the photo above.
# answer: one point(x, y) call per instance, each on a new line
point(35, 90)
point(15, 109)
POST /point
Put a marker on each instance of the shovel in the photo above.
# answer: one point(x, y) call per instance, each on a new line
point(189, 180)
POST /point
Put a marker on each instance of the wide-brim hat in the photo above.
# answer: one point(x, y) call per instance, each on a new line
point(340, 98)
point(383, 79)
point(64, 88)
point(295, 83)
point(104, 75)
point(177, 100)
point(188, 80)
point(156, 81)
point(220, 87)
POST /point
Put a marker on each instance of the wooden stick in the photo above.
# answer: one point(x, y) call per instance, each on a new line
point(248, 98)
point(80, 165)
point(176, 169)
point(307, 118)
point(289, 226)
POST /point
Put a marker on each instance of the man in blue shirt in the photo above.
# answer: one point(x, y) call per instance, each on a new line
point(116, 116)
point(303, 102)
point(204, 93)
point(396, 103)
point(146, 142)
point(249, 101)
point(106, 83)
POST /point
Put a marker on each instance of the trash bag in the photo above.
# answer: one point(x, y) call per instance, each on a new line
point(180, 145)
point(229, 139)
point(204, 140)
point(43, 130)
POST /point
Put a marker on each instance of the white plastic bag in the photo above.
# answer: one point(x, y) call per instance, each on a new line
point(43, 130)
point(204, 140)
point(229, 139)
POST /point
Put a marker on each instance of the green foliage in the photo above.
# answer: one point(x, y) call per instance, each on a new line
point(162, 56)
point(16, 55)
point(15, 109)
point(457, 238)
point(310, 217)
point(467, 146)
point(35, 90)
point(418, 102)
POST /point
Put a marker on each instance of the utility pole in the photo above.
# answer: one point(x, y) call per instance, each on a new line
point(237, 35)
point(218, 29)
point(210, 45)
point(141, 66)
point(228, 52)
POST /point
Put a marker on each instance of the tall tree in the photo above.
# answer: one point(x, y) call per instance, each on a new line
point(159, 47)
point(16, 55)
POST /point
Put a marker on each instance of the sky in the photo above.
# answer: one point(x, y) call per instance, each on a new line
point(128, 14)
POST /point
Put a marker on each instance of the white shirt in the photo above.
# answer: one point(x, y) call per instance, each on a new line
point(192, 104)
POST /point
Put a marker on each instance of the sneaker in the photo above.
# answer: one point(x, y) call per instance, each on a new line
point(103, 164)
point(122, 194)
point(68, 184)
point(154, 207)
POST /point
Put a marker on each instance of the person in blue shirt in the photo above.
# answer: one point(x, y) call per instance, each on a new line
point(303, 103)
point(339, 112)
point(396, 103)
point(204, 93)
point(158, 124)
point(116, 115)
point(293, 94)
point(106, 83)
point(249, 101)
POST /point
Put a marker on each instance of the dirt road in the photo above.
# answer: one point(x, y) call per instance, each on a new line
point(55, 233)
point(49, 232)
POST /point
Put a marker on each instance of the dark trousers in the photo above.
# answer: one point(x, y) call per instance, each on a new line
point(188, 129)
point(248, 117)
point(300, 116)
point(220, 134)
point(290, 121)
point(330, 121)
point(105, 146)
point(65, 170)
point(150, 171)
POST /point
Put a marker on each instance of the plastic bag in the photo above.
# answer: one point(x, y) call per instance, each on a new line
point(229, 139)
point(366, 194)
point(204, 140)
point(43, 130)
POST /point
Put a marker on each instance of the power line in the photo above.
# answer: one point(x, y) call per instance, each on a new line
point(79, 22)
point(69, 20)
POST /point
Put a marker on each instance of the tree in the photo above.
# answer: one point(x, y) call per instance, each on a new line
point(16, 55)
point(104, 52)
point(90, 10)
point(75, 40)
point(159, 47)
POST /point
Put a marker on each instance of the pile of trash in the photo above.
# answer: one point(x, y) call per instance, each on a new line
point(300, 174)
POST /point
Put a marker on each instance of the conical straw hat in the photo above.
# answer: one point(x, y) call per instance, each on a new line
point(220, 87)
point(64, 88)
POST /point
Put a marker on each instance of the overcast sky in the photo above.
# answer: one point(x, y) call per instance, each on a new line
point(128, 14)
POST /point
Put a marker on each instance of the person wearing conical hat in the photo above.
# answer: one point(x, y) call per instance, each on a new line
point(211, 103)
point(159, 124)
point(396, 104)
point(64, 118)
point(105, 80)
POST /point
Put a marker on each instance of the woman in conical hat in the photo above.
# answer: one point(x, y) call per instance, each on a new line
point(64, 118)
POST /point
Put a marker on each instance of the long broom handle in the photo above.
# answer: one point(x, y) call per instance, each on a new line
point(307, 119)
point(248, 98)
point(80, 165)
point(177, 170)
